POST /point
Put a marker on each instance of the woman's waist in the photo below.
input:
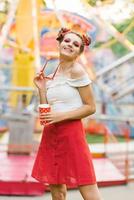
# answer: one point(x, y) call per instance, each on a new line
point(64, 107)
point(66, 123)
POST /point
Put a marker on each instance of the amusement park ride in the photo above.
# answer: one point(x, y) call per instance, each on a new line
point(28, 29)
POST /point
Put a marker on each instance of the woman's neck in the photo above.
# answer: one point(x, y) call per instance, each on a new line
point(65, 65)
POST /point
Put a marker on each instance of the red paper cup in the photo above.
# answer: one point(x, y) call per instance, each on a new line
point(44, 108)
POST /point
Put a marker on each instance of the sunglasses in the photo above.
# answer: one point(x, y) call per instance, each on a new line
point(48, 77)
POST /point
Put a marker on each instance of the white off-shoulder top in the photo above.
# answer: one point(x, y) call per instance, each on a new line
point(62, 92)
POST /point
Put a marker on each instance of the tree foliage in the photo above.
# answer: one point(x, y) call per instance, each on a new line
point(118, 48)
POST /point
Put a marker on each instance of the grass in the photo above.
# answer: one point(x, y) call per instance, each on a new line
point(96, 138)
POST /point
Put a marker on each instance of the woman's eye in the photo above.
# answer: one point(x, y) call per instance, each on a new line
point(76, 44)
point(67, 40)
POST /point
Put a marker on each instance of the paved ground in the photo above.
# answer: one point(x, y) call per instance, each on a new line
point(108, 193)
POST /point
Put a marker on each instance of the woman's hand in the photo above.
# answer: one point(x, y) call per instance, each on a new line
point(53, 117)
point(39, 81)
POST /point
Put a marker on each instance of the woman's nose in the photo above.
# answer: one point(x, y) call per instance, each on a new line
point(69, 45)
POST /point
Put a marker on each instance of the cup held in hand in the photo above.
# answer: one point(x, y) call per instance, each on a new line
point(44, 108)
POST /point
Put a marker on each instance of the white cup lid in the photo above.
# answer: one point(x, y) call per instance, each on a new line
point(45, 105)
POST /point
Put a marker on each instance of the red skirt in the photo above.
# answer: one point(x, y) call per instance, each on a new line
point(63, 156)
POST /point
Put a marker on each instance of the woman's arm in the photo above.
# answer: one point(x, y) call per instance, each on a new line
point(86, 94)
point(42, 96)
point(88, 107)
point(40, 83)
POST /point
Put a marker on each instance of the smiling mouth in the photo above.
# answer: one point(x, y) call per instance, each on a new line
point(69, 49)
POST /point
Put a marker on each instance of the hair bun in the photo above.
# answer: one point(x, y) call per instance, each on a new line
point(86, 40)
point(61, 33)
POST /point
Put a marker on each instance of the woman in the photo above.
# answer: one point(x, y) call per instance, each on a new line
point(63, 157)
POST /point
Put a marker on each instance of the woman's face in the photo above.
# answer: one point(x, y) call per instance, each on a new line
point(70, 46)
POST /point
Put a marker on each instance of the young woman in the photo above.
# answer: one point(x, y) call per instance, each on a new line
point(63, 157)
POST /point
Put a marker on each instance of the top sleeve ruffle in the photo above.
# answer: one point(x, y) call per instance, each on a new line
point(79, 82)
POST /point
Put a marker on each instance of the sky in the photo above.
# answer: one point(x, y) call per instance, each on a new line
point(73, 6)
point(117, 12)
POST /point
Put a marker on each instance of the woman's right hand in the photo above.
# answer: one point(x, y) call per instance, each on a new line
point(39, 81)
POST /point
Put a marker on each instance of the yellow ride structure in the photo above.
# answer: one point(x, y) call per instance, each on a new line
point(24, 61)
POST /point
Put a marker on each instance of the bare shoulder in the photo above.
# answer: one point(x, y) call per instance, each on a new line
point(78, 71)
